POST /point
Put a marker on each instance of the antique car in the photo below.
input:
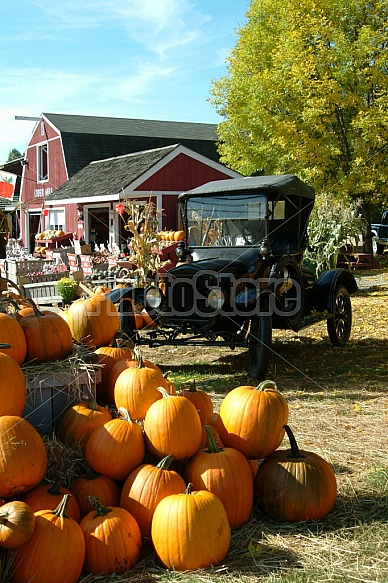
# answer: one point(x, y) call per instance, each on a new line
point(240, 273)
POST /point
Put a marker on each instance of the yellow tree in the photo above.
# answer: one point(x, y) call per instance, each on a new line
point(306, 93)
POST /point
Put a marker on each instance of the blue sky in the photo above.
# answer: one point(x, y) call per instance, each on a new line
point(151, 59)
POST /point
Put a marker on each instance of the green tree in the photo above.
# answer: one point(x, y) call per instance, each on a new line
point(306, 93)
point(14, 155)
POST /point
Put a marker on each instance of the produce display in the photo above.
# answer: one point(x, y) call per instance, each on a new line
point(155, 464)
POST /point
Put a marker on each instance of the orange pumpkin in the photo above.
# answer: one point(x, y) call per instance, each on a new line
point(48, 496)
point(252, 419)
point(93, 321)
point(172, 426)
point(116, 448)
point(12, 386)
point(80, 421)
point(60, 540)
point(112, 539)
point(108, 356)
point(145, 487)
point(201, 401)
point(226, 473)
point(17, 523)
point(92, 484)
point(12, 333)
point(122, 365)
point(48, 336)
point(199, 522)
point(137, 388)
point(23, 456)
point(295, 485)
point(179, 235)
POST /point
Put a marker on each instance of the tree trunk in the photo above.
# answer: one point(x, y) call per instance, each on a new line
point(367, 235)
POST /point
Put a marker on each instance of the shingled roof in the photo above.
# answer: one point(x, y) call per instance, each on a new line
point(110, 176)
point(89, 138)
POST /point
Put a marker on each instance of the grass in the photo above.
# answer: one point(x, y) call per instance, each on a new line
point(338, 404)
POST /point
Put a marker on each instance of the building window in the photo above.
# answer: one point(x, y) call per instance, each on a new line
point(42, 128)
point(56, 220)
point(42, 163)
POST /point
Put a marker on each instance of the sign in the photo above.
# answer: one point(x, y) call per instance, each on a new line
point(7, 184)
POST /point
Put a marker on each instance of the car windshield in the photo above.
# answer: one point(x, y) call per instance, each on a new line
point(226, 220)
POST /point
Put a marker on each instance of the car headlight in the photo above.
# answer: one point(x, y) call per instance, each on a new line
point(216, 298)
point(153, 297)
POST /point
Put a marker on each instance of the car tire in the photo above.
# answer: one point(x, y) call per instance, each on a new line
point(378, 248)
point(339, 325)
point(126, 317)
point(260, 339)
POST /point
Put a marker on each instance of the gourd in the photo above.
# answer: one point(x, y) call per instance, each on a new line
point(227, 474)
point(172, 426)
point(145, 487)
point(60, 541)
point(252, 419)
point(294, 485)
point(199, 522)
point(116, 448)
point(20, 443)
point(112, 539)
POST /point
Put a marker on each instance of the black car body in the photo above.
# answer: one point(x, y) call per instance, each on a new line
point(241, 273)
point(380, 234)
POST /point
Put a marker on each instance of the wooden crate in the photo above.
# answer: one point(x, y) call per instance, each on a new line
point(42, 289)
point(49, 397)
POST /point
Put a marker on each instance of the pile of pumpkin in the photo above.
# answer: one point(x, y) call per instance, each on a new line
point(161, 467)
point(171, 236)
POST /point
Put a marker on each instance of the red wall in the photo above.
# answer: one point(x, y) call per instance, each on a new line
point(182, 173)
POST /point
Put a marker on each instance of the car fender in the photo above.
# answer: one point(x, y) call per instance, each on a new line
point(135, 294)
point(323, 291)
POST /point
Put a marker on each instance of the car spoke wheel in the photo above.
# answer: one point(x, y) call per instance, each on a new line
point(340, 324)
point(260, 342)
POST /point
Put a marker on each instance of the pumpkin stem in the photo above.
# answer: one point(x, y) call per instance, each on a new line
point(295, 451)
point(188, 489)
point(37, 312)
point(123, 413)
point(193, 388)
point(90, 474)
point(212, 446)
point(266, 385)
point(2, 345)
point(165, 463)
point(99, 508)
point(61, 509)
point(164, 392)
point(55, 488)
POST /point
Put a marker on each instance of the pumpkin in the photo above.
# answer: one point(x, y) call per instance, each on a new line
point(48, 496)
point(295, 485)
point(199, 522)
point(252, 419)
point(48, 336)
point(24, 312)
point(108, 356)
point(93, 321)
point(80, 421)
point(227, 474)
point(172, 426)
point(112, 539)
point(179, 235)
point(17, 523)
point(145, 487)
point(116, 448)
point(12, 333)
point(92, 484)
point(122, 365)
point(60, 540)
point(201, 401)
point(147, 320)
point(12, 387)
point(136, 389)
point(23, 456)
